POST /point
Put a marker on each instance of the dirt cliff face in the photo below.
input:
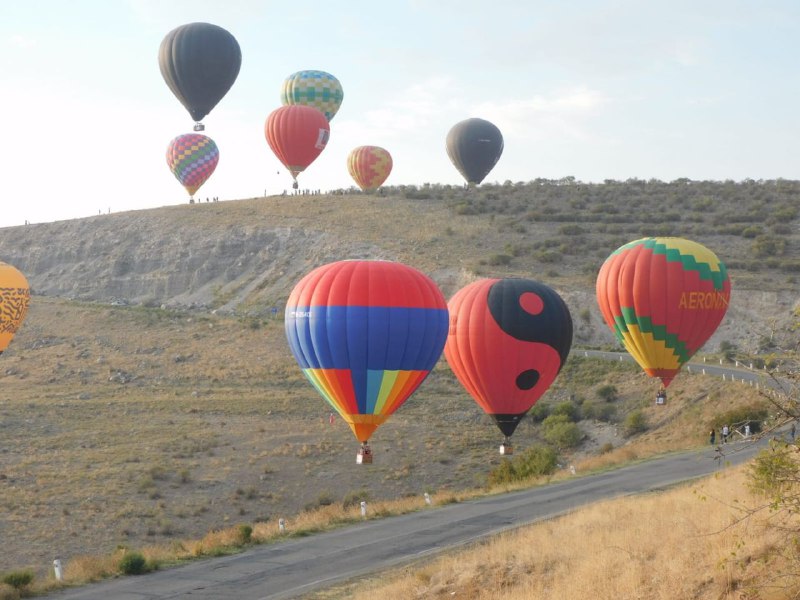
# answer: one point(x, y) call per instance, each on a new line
point(146, 259)
point(245, 257)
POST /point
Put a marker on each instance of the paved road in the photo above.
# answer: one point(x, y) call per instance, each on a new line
point(295, 567)
point(740, 372)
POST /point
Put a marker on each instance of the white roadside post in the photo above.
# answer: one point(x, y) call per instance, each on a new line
point(59, 573)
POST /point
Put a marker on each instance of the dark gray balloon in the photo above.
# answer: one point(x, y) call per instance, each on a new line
point(474, 146)
point(199, 62)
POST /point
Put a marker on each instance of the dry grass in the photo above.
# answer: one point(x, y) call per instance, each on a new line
point(147, 429)
point(688, 542)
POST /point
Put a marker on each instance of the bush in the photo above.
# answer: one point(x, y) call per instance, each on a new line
point(607, 393)
point(497, 260)
point(567, 409)
point(635, 423)
point(755, 414)
point(599, 411)
point(561, 432)
point(18, 579)
point(605, 448)
point(245, 534)
point(539, 412)
point(534, 462)
point(133, 563)
point(352, 499)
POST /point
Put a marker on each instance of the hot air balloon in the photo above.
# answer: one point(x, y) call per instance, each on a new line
point(15, 295)
point(663, 298)
point(316, 89)
point(297, 134)
point(508, 340)
point(366, 334)
point(369, 166)
point(199, 62)
point(474, 146)
point(192, 158)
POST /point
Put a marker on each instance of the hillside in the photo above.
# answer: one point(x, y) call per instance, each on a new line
point(150, 396)
point(243, 257)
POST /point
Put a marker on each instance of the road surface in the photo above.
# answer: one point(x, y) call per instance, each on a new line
point(299, 566)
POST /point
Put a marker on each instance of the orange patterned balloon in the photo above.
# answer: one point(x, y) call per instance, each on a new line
point(15, 295)
point(369, 166)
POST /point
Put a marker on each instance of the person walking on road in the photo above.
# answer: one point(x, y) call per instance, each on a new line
point(712, 437)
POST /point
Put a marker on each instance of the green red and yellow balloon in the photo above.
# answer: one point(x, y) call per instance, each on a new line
point(663, 297)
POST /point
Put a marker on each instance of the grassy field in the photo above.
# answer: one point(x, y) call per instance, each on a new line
point(131, 427)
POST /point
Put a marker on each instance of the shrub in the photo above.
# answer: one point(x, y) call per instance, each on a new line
point(567, 409)
point(605, 448)
point(599, 411)
point(768, 245)
point(539, 412)
point(548, 256)
point(607, 393)
point(561, 432)
point(352, 499)
point(497, 260)
point(635, 423)
point(244, 534)
point(571, 229)
point(133, 563)
point(755, 414)
point(18, 579)
point(534, 462)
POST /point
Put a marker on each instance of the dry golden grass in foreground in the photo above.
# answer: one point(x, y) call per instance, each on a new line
point(688, 542)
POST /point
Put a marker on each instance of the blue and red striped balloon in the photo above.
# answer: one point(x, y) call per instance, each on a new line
point(366, 334)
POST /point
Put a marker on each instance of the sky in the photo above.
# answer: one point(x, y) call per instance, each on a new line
point(592, 89)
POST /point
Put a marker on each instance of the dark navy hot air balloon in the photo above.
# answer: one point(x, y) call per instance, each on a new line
point(199, 63)
point(474, 147)
point(366, 334)
point(507, 342)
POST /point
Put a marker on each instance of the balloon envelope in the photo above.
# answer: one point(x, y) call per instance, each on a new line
point(366, 334)
point(508, 340)
point(296, 134)
point(199, 62)
point(663, 298)
point(15, 296)
point(192, 158)
point(369, 166)
point(474, 146)
point(316, 89)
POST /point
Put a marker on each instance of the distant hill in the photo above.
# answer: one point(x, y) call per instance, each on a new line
point(244, 256)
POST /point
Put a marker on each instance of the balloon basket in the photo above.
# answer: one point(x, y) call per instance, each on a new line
point(199, 127)
point(506, 449)
point(364, 456)
point(661, 397)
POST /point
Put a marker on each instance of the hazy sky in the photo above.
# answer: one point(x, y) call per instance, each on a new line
point(604, 89)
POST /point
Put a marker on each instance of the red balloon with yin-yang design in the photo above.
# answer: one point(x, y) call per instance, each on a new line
point(507, 342)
